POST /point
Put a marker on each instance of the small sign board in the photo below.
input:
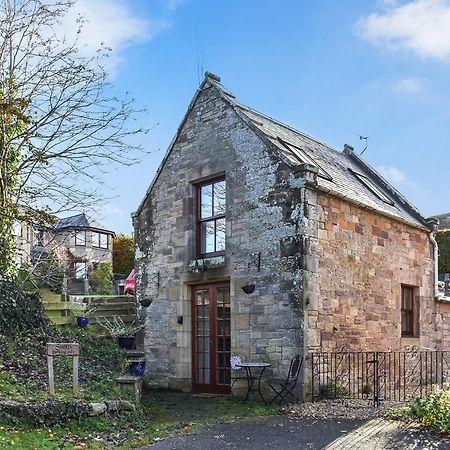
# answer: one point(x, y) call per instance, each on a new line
point(63, 349)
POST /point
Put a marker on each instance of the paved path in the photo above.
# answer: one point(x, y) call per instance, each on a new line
point(283, 432)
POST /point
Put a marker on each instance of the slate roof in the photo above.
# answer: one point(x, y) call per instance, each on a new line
point(337, 169)
point(80, 221)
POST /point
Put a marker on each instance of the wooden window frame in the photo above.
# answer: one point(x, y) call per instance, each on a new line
point(412, 313)
point(200, 221)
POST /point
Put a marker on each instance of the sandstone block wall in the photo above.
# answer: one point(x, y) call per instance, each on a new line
point(363, 259)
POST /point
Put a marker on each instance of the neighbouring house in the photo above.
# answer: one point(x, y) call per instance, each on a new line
point(86, 243)
point(444, 221)
point(79, 242)
point(331, 255)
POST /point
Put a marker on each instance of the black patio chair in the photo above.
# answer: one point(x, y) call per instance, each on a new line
point(284, 387)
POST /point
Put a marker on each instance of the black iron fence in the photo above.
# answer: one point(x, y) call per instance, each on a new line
point(394, 376)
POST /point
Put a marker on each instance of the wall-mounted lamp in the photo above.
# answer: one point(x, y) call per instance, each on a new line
point(254, 261)
point(180, 320)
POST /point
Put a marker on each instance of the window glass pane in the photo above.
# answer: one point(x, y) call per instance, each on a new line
point(17, 229)
point(95, 239)
point(207, 237)
point(219, 198)
point(206, 199)
point(220, 235)
point(80, 271)
point(80, 238)
point(103, 240)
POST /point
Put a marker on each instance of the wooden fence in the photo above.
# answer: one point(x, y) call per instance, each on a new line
point(64, 311)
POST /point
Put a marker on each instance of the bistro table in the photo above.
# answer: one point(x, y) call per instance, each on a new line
point(248, 366)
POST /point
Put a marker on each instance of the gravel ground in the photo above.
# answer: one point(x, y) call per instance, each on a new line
point(343, 409)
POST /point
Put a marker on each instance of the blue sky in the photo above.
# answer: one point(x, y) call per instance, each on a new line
point(329, 68)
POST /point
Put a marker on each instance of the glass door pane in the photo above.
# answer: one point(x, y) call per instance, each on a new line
point(223, 348)
point(203, 336)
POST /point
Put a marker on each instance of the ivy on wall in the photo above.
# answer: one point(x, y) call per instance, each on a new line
point(443, 240)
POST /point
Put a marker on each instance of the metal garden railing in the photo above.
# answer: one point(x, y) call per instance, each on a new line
point(377, 376)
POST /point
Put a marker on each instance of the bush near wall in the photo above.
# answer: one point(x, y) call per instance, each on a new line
point(20, 310)
point(443, 240)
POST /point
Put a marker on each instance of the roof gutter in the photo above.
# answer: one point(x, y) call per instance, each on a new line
point(434, 224)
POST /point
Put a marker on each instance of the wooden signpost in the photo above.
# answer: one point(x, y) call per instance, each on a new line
point(62, 349)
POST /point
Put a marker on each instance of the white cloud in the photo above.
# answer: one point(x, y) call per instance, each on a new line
point(392, 174)
point(422, 26)
point(409, 85)
point(172, 5)
point(108, 23)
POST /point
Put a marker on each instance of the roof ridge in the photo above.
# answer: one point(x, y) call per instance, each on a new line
point(289, 127)
point(228, 93)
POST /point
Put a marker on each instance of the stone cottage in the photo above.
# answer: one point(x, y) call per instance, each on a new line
point(329, 253)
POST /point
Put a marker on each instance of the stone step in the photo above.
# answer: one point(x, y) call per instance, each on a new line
point(136, 354)
point(133, 384)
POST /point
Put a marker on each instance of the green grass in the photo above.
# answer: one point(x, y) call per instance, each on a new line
point(162, 413)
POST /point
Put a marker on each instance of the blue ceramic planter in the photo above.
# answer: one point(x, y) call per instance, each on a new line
point(137, 368)
point(126, 342)
point(82, 322)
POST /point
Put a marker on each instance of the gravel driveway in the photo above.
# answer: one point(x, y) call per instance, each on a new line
point(286, 432)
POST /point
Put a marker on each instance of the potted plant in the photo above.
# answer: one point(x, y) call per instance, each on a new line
point(83, 317)
point(125, 333)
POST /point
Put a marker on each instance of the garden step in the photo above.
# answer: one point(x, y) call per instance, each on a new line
point(132, 383)
point(134, 354)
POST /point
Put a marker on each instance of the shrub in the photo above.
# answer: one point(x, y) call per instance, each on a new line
point(101, 279)
point(433, 411)
point(20, 310)
point(443, 240)
point(333, 390)
point(49, 274)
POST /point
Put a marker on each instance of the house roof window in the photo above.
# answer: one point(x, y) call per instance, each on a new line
point(305, 158)
point(372, 187)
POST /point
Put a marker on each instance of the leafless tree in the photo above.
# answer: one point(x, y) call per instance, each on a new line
point(62, 124)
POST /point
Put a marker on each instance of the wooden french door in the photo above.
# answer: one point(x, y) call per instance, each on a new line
point(211, 338)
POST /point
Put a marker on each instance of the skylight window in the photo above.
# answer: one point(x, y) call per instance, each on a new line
point(372, 187)
point(304, 158)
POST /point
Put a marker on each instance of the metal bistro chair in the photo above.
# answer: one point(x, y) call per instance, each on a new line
point(234, 361)
point(284, 387)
